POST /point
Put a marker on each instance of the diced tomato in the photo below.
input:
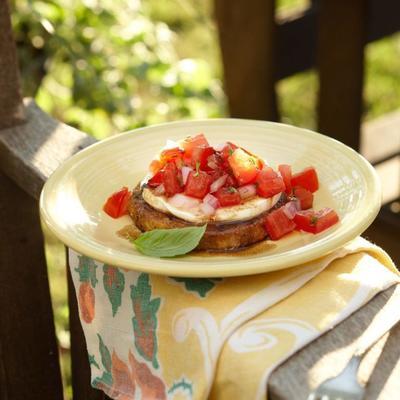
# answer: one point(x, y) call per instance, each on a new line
point(304, 196)
point(200, 156)
point(198, 184)
point(194, 141)
point(269, 183)
point(228, 196)
point(155, 166)
point(315, 222)
point(278, 224)
point(286, 173)
point(117, 204)
point(244, 166)
point(170, 154)
point(266, 174)
point(228, 150)
point(307, 179)
point(156, 180)
point(215, 174)
point(260, 163)
point(231, 182)
point(172, 179)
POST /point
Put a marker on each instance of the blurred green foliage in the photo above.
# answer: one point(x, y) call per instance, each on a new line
point(109, 66)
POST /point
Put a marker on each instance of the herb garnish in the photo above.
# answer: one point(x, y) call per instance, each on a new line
point(169, 242)
point(197, 168)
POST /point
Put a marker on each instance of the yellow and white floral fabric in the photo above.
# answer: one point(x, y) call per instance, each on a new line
point(154, 337)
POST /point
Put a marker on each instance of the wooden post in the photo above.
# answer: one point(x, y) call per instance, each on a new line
point(11, 106)
point(29, 366)
point(342, 34)
point(247, 33)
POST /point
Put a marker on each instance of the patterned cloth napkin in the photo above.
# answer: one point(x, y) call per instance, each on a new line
point(153, 337)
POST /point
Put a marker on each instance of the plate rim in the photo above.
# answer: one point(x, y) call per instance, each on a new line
point(167, 266)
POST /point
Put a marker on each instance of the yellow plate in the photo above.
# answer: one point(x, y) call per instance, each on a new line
point(71, 200)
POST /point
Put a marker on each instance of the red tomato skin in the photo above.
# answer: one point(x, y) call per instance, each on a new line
point(231, 182)
point(303, 221)
point(116, 205)
point(194, 141)
point(325, 219)
point(316, 222)
point(156, 180)
point(228, 196)
point(198, 184)
point(155, 166)
point(305, 197)
point(271, 187)
point(286, 173)
point(228, 150)
point(266, 174)
point(307, 179)
point(171, 154)
point(172, 179)
point(278, 224)
point(244, 167)
point(200, 156)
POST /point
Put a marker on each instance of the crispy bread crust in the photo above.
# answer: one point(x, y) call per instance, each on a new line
point(218, 236)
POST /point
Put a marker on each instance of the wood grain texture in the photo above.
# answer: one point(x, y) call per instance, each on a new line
point(297, 34)
point(327, 356)
point(29, 153)
point(81, 388)
point(247, 32)
point(11, 106)
point(29, 367)
point(341, 38)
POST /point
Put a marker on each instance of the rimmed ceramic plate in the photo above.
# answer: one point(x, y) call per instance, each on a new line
point(72, 198)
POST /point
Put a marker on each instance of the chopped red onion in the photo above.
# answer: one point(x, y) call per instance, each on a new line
point(159, 190)
point(211, 200)
point(185, 173)
point(218, 183)
point(207, 209)
point(220, 146)
point(179, 200)
point(247, 191)
point(212, 161)
point(290, 209)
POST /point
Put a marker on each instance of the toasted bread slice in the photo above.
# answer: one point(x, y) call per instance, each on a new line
point(219, 236)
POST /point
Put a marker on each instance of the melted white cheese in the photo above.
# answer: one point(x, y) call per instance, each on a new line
point(241, 212)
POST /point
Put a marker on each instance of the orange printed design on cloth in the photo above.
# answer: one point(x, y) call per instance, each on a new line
point(145, 319)
point(151, 386)
point(114, 285)
point(119, 380)
point(86, 296)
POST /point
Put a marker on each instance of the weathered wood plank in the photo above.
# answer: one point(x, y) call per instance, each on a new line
point(30, 162)
point(247, 41)
point(29, 366)
point(11, 106)
point(327, 356)
point(80, 369)
point(341, 38)
point(297, 34)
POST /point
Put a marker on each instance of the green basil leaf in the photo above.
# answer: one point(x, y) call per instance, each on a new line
point(169, 242)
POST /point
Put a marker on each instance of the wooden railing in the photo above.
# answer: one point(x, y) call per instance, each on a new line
point(32, 145)
point(259, 48)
